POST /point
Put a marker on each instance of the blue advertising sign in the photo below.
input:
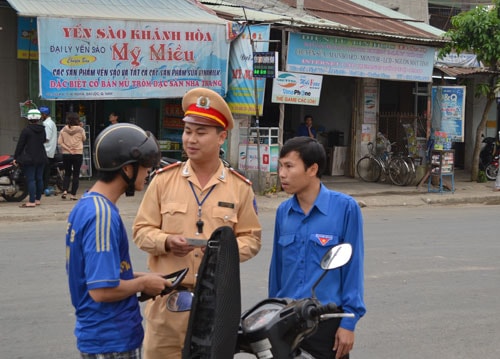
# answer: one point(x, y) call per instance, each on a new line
point(448, 111)
point(27, 39)
point(125, 59)
point(341, 56)
point(241, 94)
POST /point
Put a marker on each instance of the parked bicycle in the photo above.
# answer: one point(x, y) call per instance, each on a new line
point(374, 167)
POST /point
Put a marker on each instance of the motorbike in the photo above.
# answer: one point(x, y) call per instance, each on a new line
point(273, 328)
point(56, 176)
point(491, 169)
point(488, 157)
point(13, 186)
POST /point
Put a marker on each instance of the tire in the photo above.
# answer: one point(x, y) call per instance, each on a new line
point(60, 179)
point(412, 174)
point(369, 170)
point(491, 172)
point(399, 172)
point(22, 193)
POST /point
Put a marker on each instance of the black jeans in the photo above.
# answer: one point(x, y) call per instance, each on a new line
point(72, 165)
point(320, 344)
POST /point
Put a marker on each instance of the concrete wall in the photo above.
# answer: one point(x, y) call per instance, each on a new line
point(13, 83)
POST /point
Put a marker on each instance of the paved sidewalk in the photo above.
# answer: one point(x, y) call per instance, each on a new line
point(367, 195)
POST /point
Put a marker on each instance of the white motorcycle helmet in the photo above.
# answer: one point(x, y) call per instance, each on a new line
point(34, 115)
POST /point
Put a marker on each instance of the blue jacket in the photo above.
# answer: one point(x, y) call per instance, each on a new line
point(301, 240)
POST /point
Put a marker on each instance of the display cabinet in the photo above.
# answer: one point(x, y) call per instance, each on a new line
point(442, 168)
point(268, 149)
point(266, 135)
point(171, 134)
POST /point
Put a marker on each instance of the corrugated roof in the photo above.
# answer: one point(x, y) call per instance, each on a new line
point(359, 17)
point(184, 11)
point(367, 15)
point(465, 71)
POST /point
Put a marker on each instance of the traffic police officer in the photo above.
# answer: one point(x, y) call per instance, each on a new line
point(190, 200)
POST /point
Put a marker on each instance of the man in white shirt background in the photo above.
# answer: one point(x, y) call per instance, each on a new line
point(50, 144)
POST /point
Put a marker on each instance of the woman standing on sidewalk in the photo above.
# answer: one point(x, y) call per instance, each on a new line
point(70, 141)
point(30, 154)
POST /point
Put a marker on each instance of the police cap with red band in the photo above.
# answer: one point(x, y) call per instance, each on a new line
point(206, 107)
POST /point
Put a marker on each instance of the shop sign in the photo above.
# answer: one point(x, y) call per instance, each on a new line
point(341, 56)
point(242, 85)
point(265, 64)
point(297, 89)
point(119, 59)
point(27, 39)
point(448, 111)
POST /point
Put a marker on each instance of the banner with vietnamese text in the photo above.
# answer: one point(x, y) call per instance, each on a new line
point(241, 91)
point(297, 89)
point(341, 56)
point(118, 59)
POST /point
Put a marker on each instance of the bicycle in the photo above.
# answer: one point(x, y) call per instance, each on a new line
point(371, 167)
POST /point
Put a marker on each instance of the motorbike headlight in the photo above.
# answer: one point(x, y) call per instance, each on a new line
point(261, 316)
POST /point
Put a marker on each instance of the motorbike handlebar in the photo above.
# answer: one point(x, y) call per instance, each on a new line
point(327, 311)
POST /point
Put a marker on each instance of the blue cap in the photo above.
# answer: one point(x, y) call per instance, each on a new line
point(44, 110)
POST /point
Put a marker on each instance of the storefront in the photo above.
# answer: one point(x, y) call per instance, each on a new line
point(135, 61)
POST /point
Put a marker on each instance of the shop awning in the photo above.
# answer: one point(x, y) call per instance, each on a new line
point(464, 71)
point(180, 11)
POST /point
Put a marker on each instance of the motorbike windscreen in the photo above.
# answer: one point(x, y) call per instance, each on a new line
point(261, 316)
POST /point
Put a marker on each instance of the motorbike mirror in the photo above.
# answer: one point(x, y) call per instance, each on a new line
point(337, 256)
point(180, 301)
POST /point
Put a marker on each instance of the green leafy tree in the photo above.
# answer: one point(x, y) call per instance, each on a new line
point(478, 31)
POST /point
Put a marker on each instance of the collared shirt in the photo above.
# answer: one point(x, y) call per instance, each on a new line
point(170, 207)
point(301, 240)
point(304, 131)
point(51, 134)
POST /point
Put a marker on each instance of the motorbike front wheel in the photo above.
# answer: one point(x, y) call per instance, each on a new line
point(21, 193)
point(491, 172)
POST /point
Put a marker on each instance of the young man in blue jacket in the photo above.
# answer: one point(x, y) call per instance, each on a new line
point(307, 226)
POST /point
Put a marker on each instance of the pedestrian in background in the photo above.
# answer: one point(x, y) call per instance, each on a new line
point(71, 139)
point(306, 227)
point(30, 154)
point(101, 279)
point(50, 144)
point(190, 200)
point(113, 118)
point(306, 128)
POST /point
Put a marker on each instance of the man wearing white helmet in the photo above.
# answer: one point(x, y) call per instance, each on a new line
point(30, 154)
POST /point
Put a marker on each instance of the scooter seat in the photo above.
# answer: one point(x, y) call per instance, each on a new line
point(5, 159)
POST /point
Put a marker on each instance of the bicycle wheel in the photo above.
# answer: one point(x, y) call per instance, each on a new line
point(412, 174)
point(368, 168)
point(398, 171)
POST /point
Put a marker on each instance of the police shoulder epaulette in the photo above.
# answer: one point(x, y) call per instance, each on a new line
point(240, 176)
point(166, 168)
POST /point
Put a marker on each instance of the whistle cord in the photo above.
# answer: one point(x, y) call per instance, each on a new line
point(200, 223)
